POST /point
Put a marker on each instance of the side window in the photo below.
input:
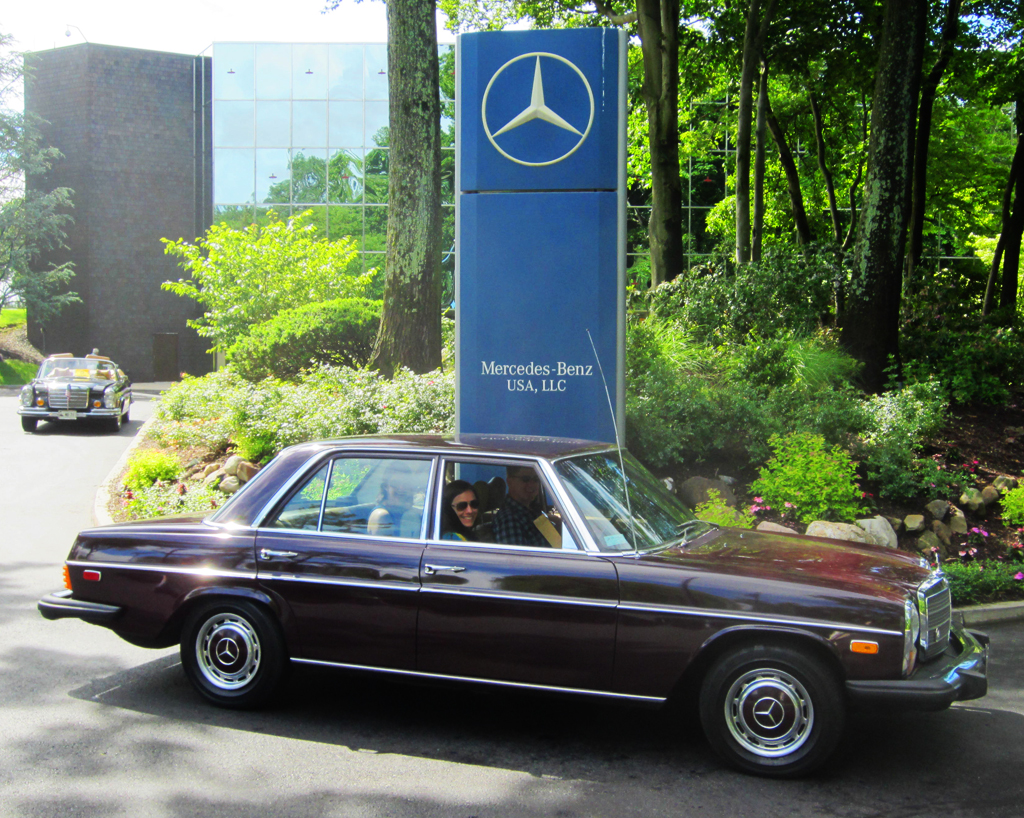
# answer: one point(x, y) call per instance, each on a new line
point(499, 503)
point(383, 497)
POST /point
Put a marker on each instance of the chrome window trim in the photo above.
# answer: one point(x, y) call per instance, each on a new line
point(165, 569)
point(754, 617)
point(530, 549)
point(558, 600)
point(498, 682)
point(342, 535)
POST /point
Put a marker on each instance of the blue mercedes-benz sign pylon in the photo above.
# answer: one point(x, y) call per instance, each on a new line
point(541, 227)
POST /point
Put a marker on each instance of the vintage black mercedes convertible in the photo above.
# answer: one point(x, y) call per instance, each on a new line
point(91, 388)
point(579, 573)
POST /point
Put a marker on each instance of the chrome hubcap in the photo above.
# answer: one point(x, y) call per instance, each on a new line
point(228, 651)
point(769, 713)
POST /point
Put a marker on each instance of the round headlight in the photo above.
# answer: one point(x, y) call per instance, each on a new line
point(26, 396)
point(911, 631)
point(110, 397)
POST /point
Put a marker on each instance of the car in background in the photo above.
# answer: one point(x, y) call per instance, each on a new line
point(66, 388)
point(606, 585)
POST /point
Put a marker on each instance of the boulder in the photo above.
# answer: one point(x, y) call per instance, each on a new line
point(694, 491)
point(213, 478)
point(880, 530)
point(896, 523)
point(957, 521)
point(928, 541)
point(246, 471)
point(938, 509)
point(774, 528)
point(914, 523)
point(973, 500)
point(839, 531)
point(210, 469)
point(231, 464)
point(230, 484)
point(942, 531)
point(990, 495)
point(1004, 483)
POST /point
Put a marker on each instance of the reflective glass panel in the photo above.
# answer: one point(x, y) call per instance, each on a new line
point(375, 176)
point(273, 124)
point(346, 222)
point(376, 124)
point(309, 71)
point(317, 217)
point(233, 215)
point(309, 175)
point(345, 124)
point(345, 177)
point(345, 77)
point(267, 215)
point(446, 71)
point(233, 71)
point(233, 176)
point(376, 230)
point(302, 511)
point(309, 124)
point(273, 176)
point(376, 72)
point(273, 71)
point(448, 176)
point(233, 124)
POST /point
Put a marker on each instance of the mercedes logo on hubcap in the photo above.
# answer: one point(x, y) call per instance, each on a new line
point(227, 651)
point(768, 713)
point(537, 109)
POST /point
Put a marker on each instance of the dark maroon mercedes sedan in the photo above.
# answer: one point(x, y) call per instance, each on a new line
point(554, 565)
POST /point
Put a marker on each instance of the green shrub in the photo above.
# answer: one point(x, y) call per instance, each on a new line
point(146, 467)
point(818, 480)
point(979, 582)
point(161, 501)
point(15, 373)
point(1013, 506)
point(338, 332)
point(717, 511)
point(197, 411)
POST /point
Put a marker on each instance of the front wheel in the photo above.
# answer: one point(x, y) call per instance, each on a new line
point(233, 653)
point(772, 710)
point(29, 424)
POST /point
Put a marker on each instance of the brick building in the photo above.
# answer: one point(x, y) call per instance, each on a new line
point(135, 133)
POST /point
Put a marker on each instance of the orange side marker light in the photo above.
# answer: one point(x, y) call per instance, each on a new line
point(864, 647)
point(67, 577)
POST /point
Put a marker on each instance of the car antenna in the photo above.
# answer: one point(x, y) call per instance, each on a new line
point(618, 443)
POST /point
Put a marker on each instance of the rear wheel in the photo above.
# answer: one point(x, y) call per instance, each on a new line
point(772, 710)
point(29, 424)
point(233, 653)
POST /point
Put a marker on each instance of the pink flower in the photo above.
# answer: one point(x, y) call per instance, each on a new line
point(963, 553)
point(1019, 575)
point(758, 499)
point(789, 505)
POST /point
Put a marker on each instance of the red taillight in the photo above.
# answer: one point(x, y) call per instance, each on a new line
point(67, 578)
point(91, 576)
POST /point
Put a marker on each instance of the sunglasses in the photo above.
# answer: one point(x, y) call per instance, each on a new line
point(460, 507)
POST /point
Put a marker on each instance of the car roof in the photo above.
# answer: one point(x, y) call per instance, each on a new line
point(523, 445)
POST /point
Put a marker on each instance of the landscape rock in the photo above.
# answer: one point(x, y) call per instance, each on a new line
point(896, 523)
point(775, 528)
point(729, 481)
point(230, 484)
point(231, 464)
point(1004, 483)
point(957, 521)
point(246, 471)
point(694, 491)
point(839, 531)
point(990, 495)
point(938, 509)
point(942, 531)
point(973, 500)
point(880, 530)
point(914, 523)
point(214, 477)
point(210, 469)
point(928, 541)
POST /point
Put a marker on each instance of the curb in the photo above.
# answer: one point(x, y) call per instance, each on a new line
point(100, 514)
point(992, 613)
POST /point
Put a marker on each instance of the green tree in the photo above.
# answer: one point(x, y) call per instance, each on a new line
point(245, 276)
point(33, 219)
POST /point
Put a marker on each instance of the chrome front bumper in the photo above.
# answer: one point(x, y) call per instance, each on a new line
point(55, 414)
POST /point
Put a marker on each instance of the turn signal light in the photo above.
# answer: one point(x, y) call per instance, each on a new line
point(40, 402)
point(97, 404)
point(67, 577)
point(864, 647)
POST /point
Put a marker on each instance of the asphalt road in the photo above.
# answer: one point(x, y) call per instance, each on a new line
point(91, 726)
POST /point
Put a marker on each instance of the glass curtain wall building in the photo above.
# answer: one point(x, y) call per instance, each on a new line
point(300, 126)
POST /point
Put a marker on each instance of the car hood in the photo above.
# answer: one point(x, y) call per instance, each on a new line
point(61, 383)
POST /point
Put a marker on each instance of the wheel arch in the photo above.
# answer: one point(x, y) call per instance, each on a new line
point(171, 633)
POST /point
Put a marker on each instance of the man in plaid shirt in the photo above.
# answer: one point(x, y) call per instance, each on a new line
point(513, 524)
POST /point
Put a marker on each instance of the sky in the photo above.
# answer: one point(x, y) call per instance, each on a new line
point(189, 26)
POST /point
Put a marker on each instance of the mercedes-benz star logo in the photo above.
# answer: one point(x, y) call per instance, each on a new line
point(537, 109)
point(768, 712)
point(227, 651)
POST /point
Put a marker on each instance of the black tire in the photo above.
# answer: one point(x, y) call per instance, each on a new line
point(115, 423)
point(233, 653)
point(772, 710)
point(127, 411)
point(29, 424)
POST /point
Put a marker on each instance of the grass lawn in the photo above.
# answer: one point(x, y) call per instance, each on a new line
point(16, 372)
point(11, 318)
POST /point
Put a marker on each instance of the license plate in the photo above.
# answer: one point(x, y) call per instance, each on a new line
point(67, 414)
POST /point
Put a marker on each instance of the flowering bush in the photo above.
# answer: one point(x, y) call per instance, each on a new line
point(146, 467)
point(716, 510)
point(177, 498)
point(818, 481)
point(1013, 506)
point(977, 582)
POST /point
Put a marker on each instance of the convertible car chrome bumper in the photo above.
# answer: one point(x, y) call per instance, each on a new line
point(65, 414)
point(959, 674)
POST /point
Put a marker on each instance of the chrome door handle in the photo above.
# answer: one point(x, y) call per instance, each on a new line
point(433, 569)
point(270, 554)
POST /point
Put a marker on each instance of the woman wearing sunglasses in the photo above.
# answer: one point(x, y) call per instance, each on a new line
point(459, 511)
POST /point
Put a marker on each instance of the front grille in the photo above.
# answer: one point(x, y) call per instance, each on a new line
point(63, 396)
point(936, 611)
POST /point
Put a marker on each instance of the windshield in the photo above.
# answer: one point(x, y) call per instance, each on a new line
point(84, 368)
point(596, 485)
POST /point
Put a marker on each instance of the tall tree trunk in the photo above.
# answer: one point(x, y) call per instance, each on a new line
point(753, 43)
point(1011, 249)
point(870, 323)
point(830, 188)
point(1015, 180)
point(759, 151)
point(796, 196)
point(658, 24)
point(410, 324)
point(950, 29)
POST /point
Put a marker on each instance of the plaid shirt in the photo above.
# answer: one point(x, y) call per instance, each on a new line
point(513, 525)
